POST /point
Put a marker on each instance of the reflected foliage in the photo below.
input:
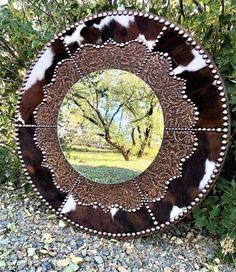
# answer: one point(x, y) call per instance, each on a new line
point(112, 108)
point(106, 174)
point(111, 111)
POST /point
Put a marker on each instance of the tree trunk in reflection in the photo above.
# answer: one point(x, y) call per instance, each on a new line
point(144, 139)
point(120, 148)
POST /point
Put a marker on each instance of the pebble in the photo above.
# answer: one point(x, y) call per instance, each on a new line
point(77, 260)
point(63, 262)
point(2, 264)
point(106, 253)
point(47, 266)
point(204, 269)
point(189, 235)
point(168, 269)
point(21, 264)
point(98, 259)
point(178, 241)
point(138, 263)
point(121, 269)
point(4, 242)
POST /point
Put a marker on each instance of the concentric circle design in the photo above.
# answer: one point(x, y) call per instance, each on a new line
point(195, 108)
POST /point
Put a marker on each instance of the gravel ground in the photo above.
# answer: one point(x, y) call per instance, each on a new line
point(32, 239)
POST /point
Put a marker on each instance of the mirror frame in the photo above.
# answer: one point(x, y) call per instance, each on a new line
point(196, 123)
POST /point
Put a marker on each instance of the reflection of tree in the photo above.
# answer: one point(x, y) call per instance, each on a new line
point(118, 107)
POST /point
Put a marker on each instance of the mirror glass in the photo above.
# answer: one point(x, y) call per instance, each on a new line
point(110, 126)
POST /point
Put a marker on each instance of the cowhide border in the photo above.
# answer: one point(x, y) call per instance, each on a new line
point(173, 206)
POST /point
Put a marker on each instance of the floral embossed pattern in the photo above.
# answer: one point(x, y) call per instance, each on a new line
point(129, 58)
point(182, 76)
point(121, 195)
point(64, 175)
point(65, 78)
point(178, 113)
point(165, 167)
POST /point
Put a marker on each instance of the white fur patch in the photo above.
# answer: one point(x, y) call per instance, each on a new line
point(38, 72)
point(124, 20)
point(175, 211)
point(209, 167)
point(20, 119)
point(149, 43)
point(75, 37)
point(113, 212)
point(70, 205)
point(196, 64)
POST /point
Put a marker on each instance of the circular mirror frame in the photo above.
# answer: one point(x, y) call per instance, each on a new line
point(196, 120)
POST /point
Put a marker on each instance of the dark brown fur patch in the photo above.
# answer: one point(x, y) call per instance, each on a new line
point(176, 46)
point(149, 28)
point(123, 222)
point(214, 140)
point(182, 190)
point(41, 177)
point(31, 98)
point(60, 52)
point(204, 94)
point(90, 34)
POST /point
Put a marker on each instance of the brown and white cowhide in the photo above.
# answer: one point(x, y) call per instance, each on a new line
point(202, 90)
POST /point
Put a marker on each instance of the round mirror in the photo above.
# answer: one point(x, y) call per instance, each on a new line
point(110, 126)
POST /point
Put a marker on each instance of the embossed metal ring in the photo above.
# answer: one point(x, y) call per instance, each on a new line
point(196, 119)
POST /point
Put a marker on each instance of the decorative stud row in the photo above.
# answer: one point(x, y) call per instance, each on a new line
point(34, 126)
point(218, 129)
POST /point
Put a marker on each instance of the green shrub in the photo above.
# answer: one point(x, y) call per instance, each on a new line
point(217, 214)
